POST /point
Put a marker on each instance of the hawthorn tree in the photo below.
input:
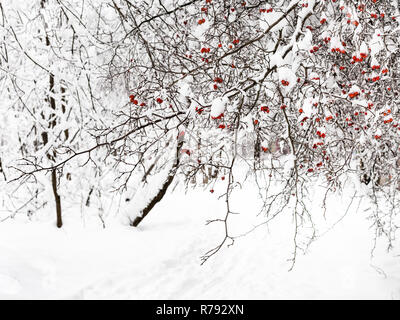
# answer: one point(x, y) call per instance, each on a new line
point(292, 90)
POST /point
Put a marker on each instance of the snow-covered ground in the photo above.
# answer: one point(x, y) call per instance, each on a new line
point(161, 258)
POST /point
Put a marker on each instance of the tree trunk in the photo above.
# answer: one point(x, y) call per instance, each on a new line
point(56, 197)
point(2, 171)
point(45, 136)
point(161, 193)
point(155, 200)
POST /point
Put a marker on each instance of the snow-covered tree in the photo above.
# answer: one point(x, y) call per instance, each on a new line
point(195, 91)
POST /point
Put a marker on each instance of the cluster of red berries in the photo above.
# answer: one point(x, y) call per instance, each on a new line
point(266, 10)
point(355, 22)
point(135, 101)
point(315, 145)
point(388, 121)
point(356, 59)
point(388, 111)
point(285, 83)
point(353, 94)
point(199, 110)
point(327, 39)
point(339, 50)
point(219, 117)
point(374, 79)
point(320, 134)
point(132, 99)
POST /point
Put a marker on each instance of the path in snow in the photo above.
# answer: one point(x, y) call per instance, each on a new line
point(160, 260)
